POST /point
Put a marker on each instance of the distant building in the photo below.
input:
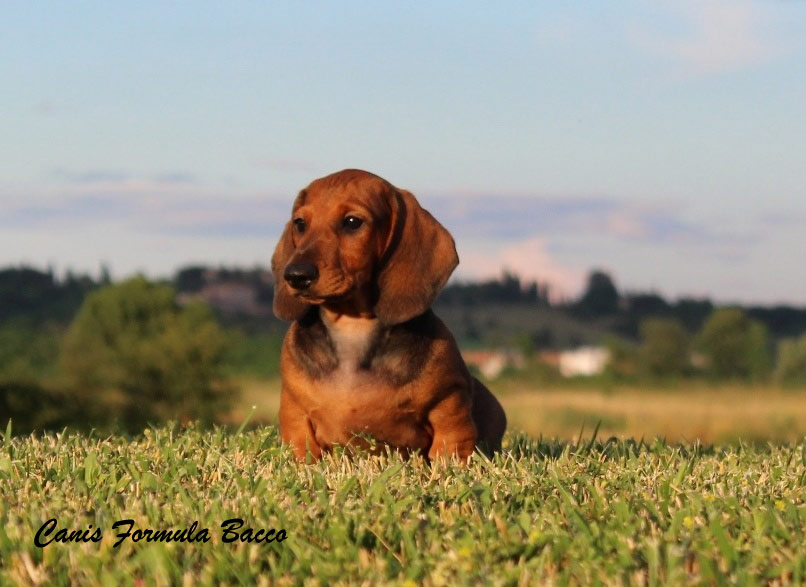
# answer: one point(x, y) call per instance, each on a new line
point(491, 363)
point(584, 361)
point(233, 292)
point(229, 298)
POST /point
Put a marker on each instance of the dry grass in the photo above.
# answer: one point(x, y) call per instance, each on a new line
point(711, 415)
point(686, 413)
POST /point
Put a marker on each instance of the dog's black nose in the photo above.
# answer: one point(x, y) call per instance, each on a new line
point(301, 275)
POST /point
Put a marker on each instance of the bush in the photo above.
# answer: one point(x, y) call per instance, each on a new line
point(32, 407)
point(664, 348)
point(624, 361)
point(735, 345)
point(253, 355)
point(141, 358)
point(791, 365)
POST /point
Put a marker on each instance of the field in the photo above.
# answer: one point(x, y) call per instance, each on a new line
point(581, 512)
point(711, 415)
point(681, 413)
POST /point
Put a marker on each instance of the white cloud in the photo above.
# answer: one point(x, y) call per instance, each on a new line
point(720, 36)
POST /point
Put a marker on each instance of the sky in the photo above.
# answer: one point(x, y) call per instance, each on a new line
point(660, 141)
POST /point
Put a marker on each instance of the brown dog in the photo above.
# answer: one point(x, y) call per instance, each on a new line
point(357, 268)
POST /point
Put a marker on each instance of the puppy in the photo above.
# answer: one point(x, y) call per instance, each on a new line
point(366, 362)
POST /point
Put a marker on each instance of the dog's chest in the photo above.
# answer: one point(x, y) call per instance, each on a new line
point(354, 351)
point(357, 396)
point(355, 379)
point(352, 347)
point(354, 403)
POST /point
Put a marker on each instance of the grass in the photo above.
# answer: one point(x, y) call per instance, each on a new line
point(581, 512)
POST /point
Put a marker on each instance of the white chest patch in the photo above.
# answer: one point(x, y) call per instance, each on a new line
point(351, 337)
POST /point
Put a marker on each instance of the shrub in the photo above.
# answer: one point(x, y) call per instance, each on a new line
point(623, 363)
point(664, 348)
point(254, 355)
point(791, 364)
point(32, 407)
point(735, 345)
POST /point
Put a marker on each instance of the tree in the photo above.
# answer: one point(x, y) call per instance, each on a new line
point(693, 313)
point(664, 348)
point(142, 358)
point(791, 364)
point(644, 305)
point(735, 345)
point(191, 279)
point(601, 298)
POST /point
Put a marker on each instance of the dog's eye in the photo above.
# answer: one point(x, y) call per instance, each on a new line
point(299, 224)
point(351, 223)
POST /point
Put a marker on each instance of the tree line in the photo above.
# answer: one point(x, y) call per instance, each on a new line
point(79, 350)
point(695, 337)
point(39, 297)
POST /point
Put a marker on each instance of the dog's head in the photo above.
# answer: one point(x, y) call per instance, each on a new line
point(356, 240)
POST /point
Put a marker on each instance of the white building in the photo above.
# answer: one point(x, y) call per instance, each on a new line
point(584, 361)
point(491, 363)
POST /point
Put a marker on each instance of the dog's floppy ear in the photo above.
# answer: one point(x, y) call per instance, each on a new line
point(419, 258)
point(286, 305)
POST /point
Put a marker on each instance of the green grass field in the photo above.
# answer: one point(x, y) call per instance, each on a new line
point(582, 512)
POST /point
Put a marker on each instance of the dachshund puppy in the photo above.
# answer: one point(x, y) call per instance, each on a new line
point(357, 269)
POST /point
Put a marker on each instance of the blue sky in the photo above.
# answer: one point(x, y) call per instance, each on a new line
point(661, 141)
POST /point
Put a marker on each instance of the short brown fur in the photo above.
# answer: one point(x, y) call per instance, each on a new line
point(366, 361)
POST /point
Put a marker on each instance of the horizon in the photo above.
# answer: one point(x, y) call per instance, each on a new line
point(61, 275)
point(662, 143)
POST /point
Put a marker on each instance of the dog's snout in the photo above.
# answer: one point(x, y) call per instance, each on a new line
point(301, 275)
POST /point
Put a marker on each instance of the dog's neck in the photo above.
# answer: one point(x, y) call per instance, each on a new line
point(352, 336)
